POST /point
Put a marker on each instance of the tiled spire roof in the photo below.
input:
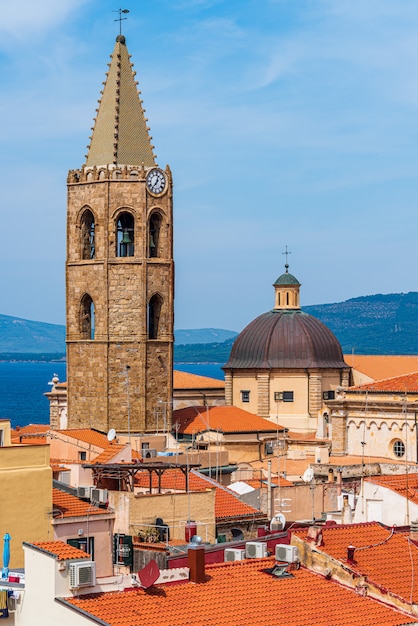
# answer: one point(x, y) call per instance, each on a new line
point(120, 133)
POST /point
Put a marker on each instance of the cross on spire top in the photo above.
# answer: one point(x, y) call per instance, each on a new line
point(120, 18)
point(287, 252)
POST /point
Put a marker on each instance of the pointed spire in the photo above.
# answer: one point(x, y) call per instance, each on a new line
point(120, 134)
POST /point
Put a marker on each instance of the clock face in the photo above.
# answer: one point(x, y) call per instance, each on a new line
point(156, 181)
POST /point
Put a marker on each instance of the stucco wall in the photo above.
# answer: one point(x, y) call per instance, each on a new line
point(134, 512)
point(26, 497)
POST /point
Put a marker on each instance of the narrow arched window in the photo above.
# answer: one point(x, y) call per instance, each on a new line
point(154, 235)
point(125, 235)
point(88, 248)
point(87, 317)
point(154, 313)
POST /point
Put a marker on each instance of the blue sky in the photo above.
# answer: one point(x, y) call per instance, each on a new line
point(285, 122)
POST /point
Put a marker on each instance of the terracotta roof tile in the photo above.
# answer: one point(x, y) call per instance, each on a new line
point(33, 434)
point(227, 504)
point(184, 380)
point(58, 549)
point(109, 453)
point(401, 483)
point(70, 506)
point(382, 366)
point(379, 549)
point(227, 419)
point(88, 435)
point(242, 594)
point(401, 384)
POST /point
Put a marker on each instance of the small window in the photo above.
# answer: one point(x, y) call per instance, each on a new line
point(269, 447)
point(287, 396)
point(86, 544)
point(245, 396)
point(82, 456)
point(1, 438)
point(328, 395)
point(399, 448)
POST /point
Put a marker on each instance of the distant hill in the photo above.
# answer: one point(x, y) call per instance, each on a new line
point(203, 335)
point(379, 324)
point(19, 336)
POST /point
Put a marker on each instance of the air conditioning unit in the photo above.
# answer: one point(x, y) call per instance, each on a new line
point(255, 549)
point(99, 495)
point(234, 554)
point(286, 553)
point(84, 492)
point(148, 454)
point(82, 574)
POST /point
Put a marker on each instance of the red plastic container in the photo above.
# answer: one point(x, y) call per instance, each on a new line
point(190, 530)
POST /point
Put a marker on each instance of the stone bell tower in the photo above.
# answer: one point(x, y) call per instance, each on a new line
point(119, 268)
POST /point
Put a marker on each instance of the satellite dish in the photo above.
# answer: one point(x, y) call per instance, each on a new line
point(277, 522)
point(308, 475)
point(149, 574)
point(111, 434)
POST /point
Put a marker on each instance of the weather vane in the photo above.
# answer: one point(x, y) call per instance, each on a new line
point(120, 18)
point(286, 252)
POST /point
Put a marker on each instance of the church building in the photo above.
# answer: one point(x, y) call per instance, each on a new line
point(285, 363)
point(119, 268)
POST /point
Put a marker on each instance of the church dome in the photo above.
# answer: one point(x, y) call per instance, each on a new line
point(284, 338)
point(287, 279)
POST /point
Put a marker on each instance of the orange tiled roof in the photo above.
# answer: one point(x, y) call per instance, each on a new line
point(382, 366)
point(184, 380)
point(70, 506)
point(375, 560)
point(227, 504)
point(401, 384)
point(227, 419)
point(88, 435)
point(58, 549)
point(33, 434)
point(108, 453)
point(401, 483)
point(242, 594)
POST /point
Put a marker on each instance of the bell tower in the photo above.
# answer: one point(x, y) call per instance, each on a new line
point(119, 268)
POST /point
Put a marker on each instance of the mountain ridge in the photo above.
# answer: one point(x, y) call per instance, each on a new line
point(376, 324)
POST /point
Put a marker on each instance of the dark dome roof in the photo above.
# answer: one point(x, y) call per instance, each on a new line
point(287, 279)
point(286, 339)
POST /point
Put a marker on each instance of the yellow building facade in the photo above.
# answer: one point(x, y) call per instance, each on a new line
point(26, 495)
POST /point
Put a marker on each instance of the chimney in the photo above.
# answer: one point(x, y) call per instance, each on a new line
point(196, 558)
point(350, 555)
point(346, 513)
point(315, 535)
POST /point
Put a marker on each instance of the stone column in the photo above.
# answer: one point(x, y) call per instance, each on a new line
point(345, 378)
point(339, 432)
point(228, 388)
point(315, 393)
point(263, 393)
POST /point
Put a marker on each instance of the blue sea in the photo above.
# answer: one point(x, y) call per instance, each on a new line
point(22, 385)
